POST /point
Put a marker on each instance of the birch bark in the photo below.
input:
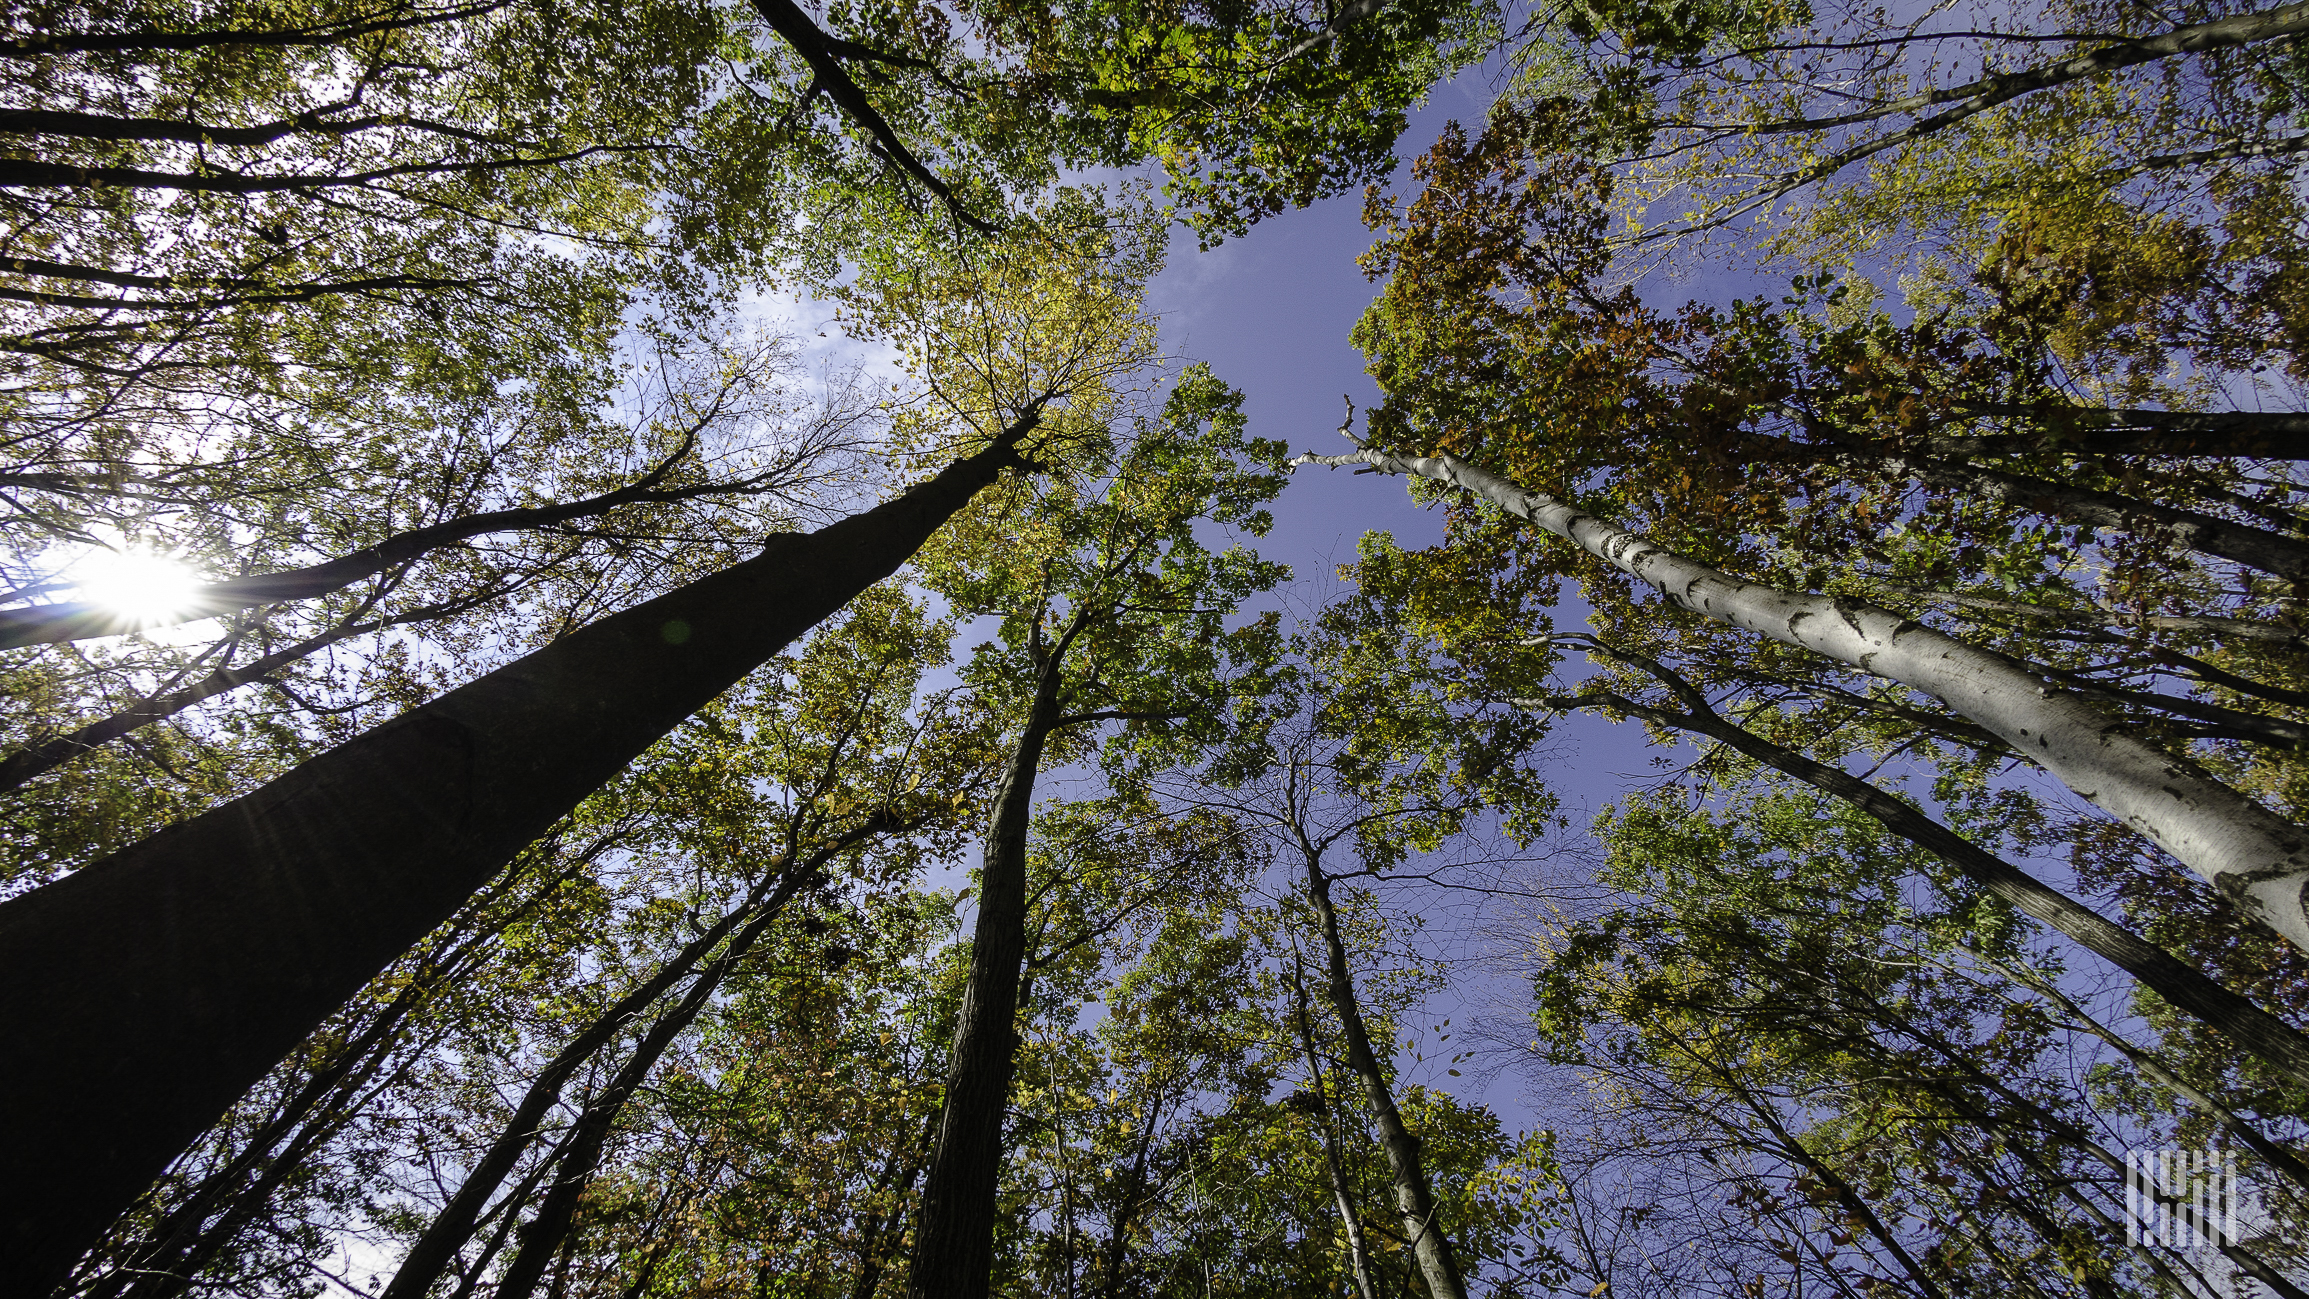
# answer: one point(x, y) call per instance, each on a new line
point(2178, 982)
point(2253, 856)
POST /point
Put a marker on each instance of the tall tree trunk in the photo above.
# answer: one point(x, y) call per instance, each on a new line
point(1116, 1255)
point(141, 995)
point(2255, 547)
point(1414, 1197)
point(437, 1248)
point(1350, 1220)
point(548, 1235)
point(2260, 548)
point(954, 1231)
point(2090, 430)
point(209, 1219)
point(2277, 1043)
point(2281, 1161)
point(2249, 853)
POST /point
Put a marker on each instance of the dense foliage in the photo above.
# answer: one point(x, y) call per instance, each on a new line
point(1059, 904)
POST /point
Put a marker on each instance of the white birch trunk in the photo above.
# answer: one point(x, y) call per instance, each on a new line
point(2254, 857)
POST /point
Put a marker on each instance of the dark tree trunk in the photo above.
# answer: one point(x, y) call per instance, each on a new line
point(954, 1235)
point(2268, 550)
point(208, 1220)
point(2247, 434)
point(140, 996)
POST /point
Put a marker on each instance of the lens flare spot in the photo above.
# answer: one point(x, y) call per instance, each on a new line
point(137, 584)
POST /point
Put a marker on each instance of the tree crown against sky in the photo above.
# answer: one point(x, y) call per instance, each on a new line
point(2016, 388)
point(334, 302)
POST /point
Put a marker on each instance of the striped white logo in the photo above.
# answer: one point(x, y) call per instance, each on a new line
point(2181, 1199)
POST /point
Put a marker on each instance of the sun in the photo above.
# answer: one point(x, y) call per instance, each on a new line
point(140, 585)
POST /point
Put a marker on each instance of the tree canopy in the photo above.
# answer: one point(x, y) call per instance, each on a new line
point(527, 775)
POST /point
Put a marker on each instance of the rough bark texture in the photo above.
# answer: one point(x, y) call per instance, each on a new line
point(954, 1232)
point(1414, 1198)
point(142, 995)
point(2256, 858)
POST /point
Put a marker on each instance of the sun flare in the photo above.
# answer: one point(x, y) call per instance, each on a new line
point(137, 584)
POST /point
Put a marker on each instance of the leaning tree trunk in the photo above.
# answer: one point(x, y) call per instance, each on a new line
point(547, 1235)
point(2091, 430)
point(954, 1228)
point(2252, 855)
point(2277, 1043)
point(141, 995)
point(2271, 552)
point(1414, 1197)
point(2242, 543)
point(1350, 1219)
point(443, 1237)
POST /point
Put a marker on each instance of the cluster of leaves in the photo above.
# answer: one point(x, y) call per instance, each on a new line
point(2014, 392)
point(290, 285)
point(1883, 1083)
point(696, 1039)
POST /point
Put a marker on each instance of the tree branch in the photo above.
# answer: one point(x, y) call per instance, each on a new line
point(80, 620)
point(2258, 1031)
point(48, 44)
point(824, 54)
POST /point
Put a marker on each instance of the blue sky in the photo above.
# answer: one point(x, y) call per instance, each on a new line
point(1270, 314)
